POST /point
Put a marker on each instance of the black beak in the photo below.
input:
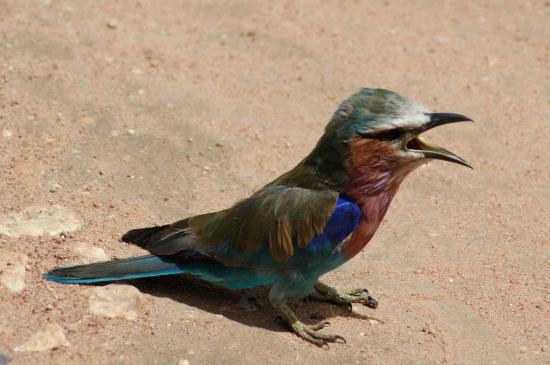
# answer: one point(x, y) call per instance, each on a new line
point(437, 119)
point(431, 150)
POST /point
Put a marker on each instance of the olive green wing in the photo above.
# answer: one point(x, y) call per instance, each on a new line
point(276, 220)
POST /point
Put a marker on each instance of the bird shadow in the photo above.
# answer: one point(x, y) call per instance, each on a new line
point(250, 307)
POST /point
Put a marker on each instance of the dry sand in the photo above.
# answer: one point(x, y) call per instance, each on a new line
point(131, 113)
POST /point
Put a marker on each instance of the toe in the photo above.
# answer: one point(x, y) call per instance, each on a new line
point(319, 326)
point(327, 337)
point(314, 340)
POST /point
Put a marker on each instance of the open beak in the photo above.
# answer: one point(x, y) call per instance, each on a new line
point(431, 150)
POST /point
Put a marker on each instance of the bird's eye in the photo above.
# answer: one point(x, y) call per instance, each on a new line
point(390, 135)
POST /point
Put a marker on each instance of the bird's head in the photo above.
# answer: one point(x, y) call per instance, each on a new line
point(373, 140)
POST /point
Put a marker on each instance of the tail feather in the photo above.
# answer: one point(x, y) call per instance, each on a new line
point(125, 269)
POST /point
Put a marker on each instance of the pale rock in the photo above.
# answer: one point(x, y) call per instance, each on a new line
point(115, 300)
point(12, 271)
point(183, 362)
point(51, 336)
point(38, 220)
point(89, 254)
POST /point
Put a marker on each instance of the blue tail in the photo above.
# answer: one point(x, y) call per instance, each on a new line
point(132, 268)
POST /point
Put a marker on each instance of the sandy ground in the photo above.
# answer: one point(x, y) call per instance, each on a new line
point(131, 113)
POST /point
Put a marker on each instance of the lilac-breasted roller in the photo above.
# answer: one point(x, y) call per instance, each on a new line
point(305, 223)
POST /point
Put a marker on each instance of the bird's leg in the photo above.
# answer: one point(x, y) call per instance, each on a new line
point(309, 333)
point(325, 293)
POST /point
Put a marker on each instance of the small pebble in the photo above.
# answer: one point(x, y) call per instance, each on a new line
point(87, 120)
point(141, 91)
point(53, 187)
point(183, 362)
point(441, 39)
point(6, 133)
point(131, 131)
point(112, 23)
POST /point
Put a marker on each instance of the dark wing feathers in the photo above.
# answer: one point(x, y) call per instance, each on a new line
point(279, 216)
point(142, 236)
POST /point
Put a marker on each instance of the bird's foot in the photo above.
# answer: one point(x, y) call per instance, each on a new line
point(309, 333)
point(323, 292)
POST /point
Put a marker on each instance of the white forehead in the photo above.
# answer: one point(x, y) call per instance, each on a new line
point(409, 114)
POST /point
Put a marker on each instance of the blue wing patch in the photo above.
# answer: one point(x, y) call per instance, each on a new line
point(342, 222)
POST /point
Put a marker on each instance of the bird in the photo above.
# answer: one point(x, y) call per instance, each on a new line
point(303, 224)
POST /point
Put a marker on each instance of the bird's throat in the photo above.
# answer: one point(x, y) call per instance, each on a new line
point(373, 210)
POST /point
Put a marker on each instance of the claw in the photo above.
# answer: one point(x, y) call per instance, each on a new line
point(371, 302)
point(341, 339)
point(364, 297)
